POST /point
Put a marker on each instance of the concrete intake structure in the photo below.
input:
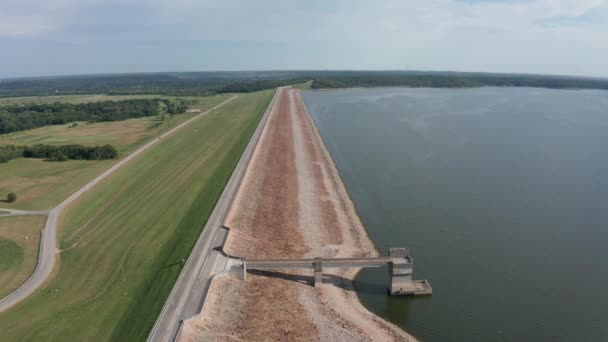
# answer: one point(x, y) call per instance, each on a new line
point(401, 267)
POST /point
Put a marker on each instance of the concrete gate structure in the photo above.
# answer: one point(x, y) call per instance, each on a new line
point(399, 262)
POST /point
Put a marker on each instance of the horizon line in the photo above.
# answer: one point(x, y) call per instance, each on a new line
point(10, 78)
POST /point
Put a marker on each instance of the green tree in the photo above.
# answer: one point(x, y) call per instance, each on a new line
point(12, 197)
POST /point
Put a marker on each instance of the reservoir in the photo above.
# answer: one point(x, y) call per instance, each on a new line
point(501, 194)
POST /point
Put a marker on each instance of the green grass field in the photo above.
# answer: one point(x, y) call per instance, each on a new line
point(41, 185)
point(11, 255)
point(18, 255)
point(124, 242)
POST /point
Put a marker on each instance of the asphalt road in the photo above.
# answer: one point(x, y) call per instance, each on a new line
point(15, 212)
point(48, 242)
point(188, 294)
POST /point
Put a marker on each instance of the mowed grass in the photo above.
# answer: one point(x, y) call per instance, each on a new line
point(124, 242)
point(18, 256)
point(42, 185)
point(11, 255)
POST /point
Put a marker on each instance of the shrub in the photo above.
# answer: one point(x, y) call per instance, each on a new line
point(12, 197)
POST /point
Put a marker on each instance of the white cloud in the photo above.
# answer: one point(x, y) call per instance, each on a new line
point(414, 34)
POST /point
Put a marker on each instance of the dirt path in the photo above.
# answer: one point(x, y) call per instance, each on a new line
point(48, 242)
point(292, 203)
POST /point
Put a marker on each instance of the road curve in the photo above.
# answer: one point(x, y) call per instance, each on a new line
point(188, 294)
point(48, 241)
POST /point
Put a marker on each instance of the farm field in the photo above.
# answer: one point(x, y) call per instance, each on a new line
point(18, 256)
point(137, 227)
point(41, 185)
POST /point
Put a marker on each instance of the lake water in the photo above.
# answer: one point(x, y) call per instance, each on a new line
point(501, 194)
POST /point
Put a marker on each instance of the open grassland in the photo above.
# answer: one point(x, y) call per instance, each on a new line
point(41, 185)
point(124, 135)
point(6, 101)
point(124, 243)
point(18, 256)
point(70, 99)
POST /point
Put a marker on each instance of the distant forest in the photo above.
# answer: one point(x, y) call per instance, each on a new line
point(209, 83)
point(57, 153)
point(170, 84)
point(22, 117)
point(456, 80)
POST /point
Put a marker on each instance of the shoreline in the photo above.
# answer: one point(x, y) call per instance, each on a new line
point(306, 212)
point(352, 273)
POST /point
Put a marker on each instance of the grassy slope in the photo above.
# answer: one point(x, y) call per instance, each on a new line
point(41, 185)
point(15, 229)
point(125, 240)
point(304, 86)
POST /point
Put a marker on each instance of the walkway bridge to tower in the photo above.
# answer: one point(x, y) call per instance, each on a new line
point(400, 267)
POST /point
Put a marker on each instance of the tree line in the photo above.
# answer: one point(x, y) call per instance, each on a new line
point(209, 83)
point(164, 84)
point(454, 80)
point(23, 117)
point(57, 153)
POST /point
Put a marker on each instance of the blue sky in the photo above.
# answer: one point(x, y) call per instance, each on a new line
point(58, 37)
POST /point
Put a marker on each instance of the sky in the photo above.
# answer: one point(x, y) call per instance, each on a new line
point(66, 37)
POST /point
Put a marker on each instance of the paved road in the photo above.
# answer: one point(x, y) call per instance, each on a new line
point(15, 212)
point(188, 294)
point(48, 242)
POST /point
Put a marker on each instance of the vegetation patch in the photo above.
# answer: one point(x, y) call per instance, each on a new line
point(11, 197)
point(10, 254)
point(172, 84)
point(27, 116)
point(41, 185)
point(349, 79)
point(19, 244)
point(209, 83)
point(57, 153)
point(136, 228)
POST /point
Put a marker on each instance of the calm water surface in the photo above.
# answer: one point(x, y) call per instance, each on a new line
point(501, 195)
